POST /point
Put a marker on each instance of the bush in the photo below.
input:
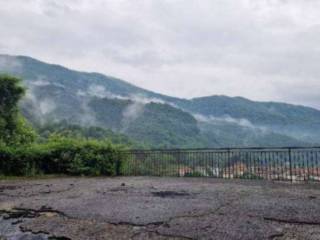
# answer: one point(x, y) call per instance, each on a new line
point(62, 156)
point(193, 174)
point(248, 175)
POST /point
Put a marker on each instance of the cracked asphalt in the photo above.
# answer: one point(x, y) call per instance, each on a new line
point(158, 208)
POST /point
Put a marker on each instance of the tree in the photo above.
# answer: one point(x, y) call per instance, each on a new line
point(14, 129)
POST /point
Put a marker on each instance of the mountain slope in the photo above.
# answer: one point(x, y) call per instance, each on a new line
point(37, 72)
point(264, 113)
point(295, 121)
point(58, 94)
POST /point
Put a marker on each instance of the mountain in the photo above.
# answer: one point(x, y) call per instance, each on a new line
point(296, 121)
point(56, 94)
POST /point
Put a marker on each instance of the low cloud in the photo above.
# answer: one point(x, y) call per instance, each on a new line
point(46, 106)
point(88, 117)
point(242, 122)
point(40, 82)
point(9, 64)
point(131, 113)
point(39, 108)
point(101, 92)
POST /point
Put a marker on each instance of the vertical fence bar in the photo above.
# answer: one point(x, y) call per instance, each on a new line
point(290, 163)
point(307, 165)
point(180, 154)
point(229, 163)
point(317, 165)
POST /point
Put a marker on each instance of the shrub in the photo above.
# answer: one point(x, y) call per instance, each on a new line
point(248, 175)
point(62, 156)
point(194, 174)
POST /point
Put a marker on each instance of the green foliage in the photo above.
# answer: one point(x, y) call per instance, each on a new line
point(10, 93)
point(193, 174)
point(24, 133)
point(13, 127)
point(248, 175)
point(65, 129)
point(61, 155)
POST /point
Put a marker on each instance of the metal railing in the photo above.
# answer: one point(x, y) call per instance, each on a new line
point(279, 164)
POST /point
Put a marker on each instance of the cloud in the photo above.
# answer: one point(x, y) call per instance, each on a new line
point(100, 91)
point(131, 113)
point(88, 116)
point(40, 108)
point(10, 64)
point(263, 50)
point(46, 106)
point(40, 82)
point(242, 122)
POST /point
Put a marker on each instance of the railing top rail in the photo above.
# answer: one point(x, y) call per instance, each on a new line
point(224, 149)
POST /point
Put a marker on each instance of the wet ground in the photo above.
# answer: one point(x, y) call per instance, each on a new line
point(158, 208)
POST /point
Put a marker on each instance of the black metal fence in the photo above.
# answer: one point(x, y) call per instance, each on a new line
point(279, 164)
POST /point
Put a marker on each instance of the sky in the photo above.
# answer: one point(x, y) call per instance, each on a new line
point(265, 50)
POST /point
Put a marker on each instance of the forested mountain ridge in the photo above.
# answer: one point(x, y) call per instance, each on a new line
point(55, 94)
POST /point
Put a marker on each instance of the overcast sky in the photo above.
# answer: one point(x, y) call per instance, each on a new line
point(259, 49)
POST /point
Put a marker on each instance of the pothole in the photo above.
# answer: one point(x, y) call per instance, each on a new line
point(170, 194)
point(12, 220)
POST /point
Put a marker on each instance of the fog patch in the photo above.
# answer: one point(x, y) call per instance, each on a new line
point(40, 82)
point(131, 113)
point(100, 92)
point(46, 106)
point(146, 100)
point(39, 108)
point(242, 122)
point(81, 93)
point(10, 64)
point(88, 117)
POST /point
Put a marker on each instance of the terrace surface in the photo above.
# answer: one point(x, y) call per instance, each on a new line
point(158, 208)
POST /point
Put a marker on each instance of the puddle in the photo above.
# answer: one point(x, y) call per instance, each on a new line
point(10, 222)
point(10, 230)
point(170, 194)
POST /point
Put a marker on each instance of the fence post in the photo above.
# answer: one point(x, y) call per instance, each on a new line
point(229, 164)
point(118, 164)
point(179, 162)
point(290, 162)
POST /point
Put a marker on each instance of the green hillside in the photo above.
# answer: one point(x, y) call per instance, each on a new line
point(56, 94)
